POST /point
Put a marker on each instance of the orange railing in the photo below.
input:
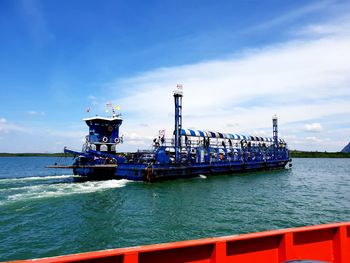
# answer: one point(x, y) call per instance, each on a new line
point(330, 243)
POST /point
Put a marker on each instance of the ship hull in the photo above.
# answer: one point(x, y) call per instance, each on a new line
point(95, 172)
point(157, 172)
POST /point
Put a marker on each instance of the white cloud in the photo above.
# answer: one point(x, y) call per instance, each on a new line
point(35, 22)
point(300, 80)
point(292, 16)
point(36, 113)
point(136, 136)
point(93, 100)
point(313, 127)
point(313, 139)
point(7, 127)
point(326, 29)
point(261, 133)
point(136, 143)
point(70, 134)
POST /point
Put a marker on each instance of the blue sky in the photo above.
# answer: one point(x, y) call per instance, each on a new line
point(240, 62)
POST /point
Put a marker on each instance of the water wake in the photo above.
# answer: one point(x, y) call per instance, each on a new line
point(36, 178)
point(29, 192)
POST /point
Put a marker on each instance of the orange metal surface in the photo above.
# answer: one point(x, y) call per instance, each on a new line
point(330, 243)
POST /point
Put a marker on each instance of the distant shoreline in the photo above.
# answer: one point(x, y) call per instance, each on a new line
point(307, 154)
point(34, 155)
point(294, 154)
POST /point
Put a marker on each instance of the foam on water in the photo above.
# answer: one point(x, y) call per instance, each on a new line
point(37, 178)
point(59, 189)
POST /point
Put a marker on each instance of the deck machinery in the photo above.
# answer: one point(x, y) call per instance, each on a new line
point(187, 153)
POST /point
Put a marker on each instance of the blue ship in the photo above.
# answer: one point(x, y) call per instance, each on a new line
point(189, 153)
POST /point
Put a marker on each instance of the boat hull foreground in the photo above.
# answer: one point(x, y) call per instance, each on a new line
point(325, 243)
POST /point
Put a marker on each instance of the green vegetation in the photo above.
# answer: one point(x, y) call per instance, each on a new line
point(34, 155)
point(302, 154)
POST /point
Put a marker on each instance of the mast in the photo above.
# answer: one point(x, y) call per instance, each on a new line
point(275, 133)
point(178, 121)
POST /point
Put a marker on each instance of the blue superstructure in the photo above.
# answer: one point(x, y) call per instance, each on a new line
point(187, 153)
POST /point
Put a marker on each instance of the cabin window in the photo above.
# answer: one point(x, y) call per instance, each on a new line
point(113, 149)
point(103, 148)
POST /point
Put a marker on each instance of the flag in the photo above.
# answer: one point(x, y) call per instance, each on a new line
point(117, 107)
point(179, 86)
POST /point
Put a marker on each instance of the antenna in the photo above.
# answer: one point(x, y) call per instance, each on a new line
point(178, 93)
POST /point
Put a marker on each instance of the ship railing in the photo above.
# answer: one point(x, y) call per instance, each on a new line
point(218, 155)
point(213, 142)
point(220, 151)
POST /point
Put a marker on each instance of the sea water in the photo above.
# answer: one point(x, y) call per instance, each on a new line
point(46, 212)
